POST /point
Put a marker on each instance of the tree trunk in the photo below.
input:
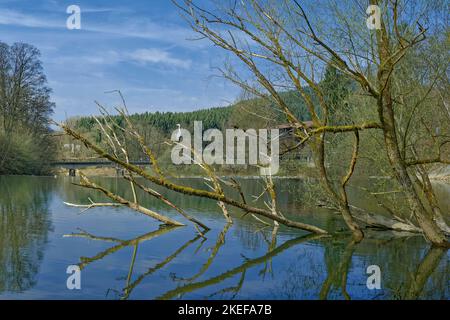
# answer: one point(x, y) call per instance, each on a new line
point(431, 231)
point(387, 118)
point(429, 193)
point(319, 157)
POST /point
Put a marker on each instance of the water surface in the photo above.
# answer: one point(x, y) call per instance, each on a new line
point(125, 255)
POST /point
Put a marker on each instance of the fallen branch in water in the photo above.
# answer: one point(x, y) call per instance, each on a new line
point(373, 220)
point(170, 204)
point(162, 181)
point(85, 182)
point(92, 205)
point(378, 221)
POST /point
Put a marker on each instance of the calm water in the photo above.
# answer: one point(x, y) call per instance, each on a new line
point(124, 255)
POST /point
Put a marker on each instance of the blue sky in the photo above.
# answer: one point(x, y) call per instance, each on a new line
point(141, 47)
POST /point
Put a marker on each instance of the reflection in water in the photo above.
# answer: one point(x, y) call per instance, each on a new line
point(245, 260)
point(338, 263)
point(24, 224)
point(179, 291)
point(130, 286)
point(338, 257)
point(215, 250)
point(120, 243)
point(127, 243)
point(424, 271)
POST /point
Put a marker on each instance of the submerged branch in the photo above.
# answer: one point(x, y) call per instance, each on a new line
point(85, 182)
point(167, 202)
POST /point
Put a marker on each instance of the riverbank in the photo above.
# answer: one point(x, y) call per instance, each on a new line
point(110, 174)
point(441, 175)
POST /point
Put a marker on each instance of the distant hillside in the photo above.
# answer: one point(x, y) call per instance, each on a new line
point(242, 113)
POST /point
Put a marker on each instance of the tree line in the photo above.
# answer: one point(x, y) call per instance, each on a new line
point(219, 117)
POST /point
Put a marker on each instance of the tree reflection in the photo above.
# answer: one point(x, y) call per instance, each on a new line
point(135, 242)
point(215, 250)
point(24, 225)
point(130, 286)
point(325, 265)
point(424, 272)
point(121, 244)
point(181, 290)
point(338, 263)
point(405, 274)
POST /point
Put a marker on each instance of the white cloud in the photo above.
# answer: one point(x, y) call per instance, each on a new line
point(145, 29)
point(157, 56)
point(11, 17)
point(133, 27)
point(104, 9)
point(152, 56)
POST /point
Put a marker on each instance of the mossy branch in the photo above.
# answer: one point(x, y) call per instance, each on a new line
point(161, 181)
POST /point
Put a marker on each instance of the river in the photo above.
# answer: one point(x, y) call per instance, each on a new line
point(125, 255)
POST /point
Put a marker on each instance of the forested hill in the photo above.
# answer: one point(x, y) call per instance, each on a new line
point(245, 114)
point(167, 121)
point(157, 127)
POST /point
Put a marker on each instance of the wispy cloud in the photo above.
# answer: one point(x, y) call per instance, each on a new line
point(139, 49)
point(145, 56)
point(105, 9)
point(148, 30)
point(148, 56)
point(15, 18)
point(135, 27)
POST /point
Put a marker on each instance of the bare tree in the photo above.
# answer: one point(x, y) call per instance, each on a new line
point(282, 48)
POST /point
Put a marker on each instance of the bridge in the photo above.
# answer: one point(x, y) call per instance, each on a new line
point(73, 164)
